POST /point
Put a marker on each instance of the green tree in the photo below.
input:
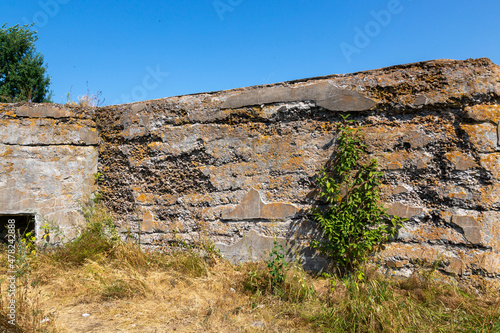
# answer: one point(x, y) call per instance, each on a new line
point(22, 71)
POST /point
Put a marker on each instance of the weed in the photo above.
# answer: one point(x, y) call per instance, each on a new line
point(121, 285)
point(277, 265)
point(353, 222)
point(89, 99)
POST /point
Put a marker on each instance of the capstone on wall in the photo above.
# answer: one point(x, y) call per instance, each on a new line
point(238, 167)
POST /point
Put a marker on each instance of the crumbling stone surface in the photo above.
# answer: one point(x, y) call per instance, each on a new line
point(239, 166)
point(48, 155)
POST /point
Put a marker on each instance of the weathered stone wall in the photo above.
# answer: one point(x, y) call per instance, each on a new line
point(238, 167)
point(48, 155)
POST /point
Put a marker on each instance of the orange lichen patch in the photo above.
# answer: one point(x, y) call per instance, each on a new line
point(145, 198)
point(491, 162)
point(385, 191)
point(490, 262)
point(460, 160)
point(456, 192)
point(490, 195)
point(424, 233)
point(482, 136)
point(8, 167)
point(10, 114)
point(490, 229)
point(282, 182)
point(168, 199)
point(414, 252)
point(155, 145)
point(147, 220)
point(399, 159)
point(7, 151)
point(484, 112)
point(198, 198)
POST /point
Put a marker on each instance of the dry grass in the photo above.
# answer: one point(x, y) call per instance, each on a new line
point(123, 289)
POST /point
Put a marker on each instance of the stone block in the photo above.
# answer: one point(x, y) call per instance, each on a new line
point(490, 229)
point(45, 131)
point(455, 266)
point(148, 220)
point(490, 196)
point(490, 262)
point(394, 264)
point(346, 100)
point(398, 209)
point(423, 162)
point(325, 94)
point(43, 111)
point(483, 112)
point(417, 139)
point(424, 232)
point(252, 247)
point(399, 189)
point(458, 193)
point(461, 161)
point(252, 207)
point(484, 137)
point(491, 162)
point(137, 107)
point(470, 227)
point(380, 138)
point(399, 160)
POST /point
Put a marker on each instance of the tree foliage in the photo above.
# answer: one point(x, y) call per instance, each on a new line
point(22, 71)
point(351, 218)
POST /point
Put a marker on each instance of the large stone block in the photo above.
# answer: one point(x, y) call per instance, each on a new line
point(461, 161)
point(491, 162)
point(43, 131)
point(483, 136)
point(490, 196)
point(43, 111)
point(326, 94)
point(252, 207)
point(490, 229)
point(484, 112)
point(405, 211)
point(470, 227)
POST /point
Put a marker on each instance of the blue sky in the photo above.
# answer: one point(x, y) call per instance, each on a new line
point(139, 50)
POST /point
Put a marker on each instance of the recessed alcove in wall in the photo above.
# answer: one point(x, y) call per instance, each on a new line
point(23, 222)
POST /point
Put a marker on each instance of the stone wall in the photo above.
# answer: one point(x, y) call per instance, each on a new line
point(238, 167)
point(48, 155)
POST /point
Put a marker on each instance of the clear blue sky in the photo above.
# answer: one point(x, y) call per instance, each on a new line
point(139, 50)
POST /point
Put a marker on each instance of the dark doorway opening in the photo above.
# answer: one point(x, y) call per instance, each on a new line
point(23, 223)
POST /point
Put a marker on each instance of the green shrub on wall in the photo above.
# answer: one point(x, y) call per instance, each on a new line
point(353, 223)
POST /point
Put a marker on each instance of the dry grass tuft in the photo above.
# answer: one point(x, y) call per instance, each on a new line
point(123, 289)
